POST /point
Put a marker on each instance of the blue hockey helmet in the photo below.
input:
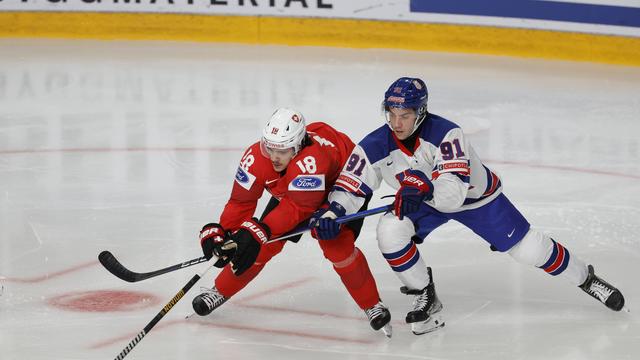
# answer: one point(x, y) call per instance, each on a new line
point(407, 93)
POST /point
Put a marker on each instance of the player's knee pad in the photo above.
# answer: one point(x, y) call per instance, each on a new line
point(338, 249)
point(534, 249)
point(394, 234)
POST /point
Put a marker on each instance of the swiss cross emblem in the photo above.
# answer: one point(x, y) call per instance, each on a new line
point(397, 90)
point(295, 118)
point(275, 130)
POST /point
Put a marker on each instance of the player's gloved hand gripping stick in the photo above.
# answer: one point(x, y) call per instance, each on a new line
point(109, 261)
point(112, 264)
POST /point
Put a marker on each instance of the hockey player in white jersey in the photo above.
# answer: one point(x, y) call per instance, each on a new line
point(439, 177)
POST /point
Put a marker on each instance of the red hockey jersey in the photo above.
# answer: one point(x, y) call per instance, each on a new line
point(301, 188)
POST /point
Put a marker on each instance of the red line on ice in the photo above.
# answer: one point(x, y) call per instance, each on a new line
point(296, 311)
point(50, 276)
point(129, 337)
point(287, 333)
point(276, 289)
point(123, 339)
point(241, 303)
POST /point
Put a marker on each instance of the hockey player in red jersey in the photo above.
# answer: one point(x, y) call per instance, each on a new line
point(297, 165)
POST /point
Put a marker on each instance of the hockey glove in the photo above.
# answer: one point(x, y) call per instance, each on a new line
point(415, 188)
point(212, 241)
point(248, 240)
point(323, 221)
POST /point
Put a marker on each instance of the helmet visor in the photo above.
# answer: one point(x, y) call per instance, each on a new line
point(267, 148)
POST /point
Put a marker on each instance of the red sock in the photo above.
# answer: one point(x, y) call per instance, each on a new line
point(357, 278)
point(229, 284)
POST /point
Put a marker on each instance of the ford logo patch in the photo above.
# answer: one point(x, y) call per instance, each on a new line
point(307, 182)
point(241, 176)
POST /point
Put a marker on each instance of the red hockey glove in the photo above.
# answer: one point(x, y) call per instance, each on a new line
point(415, 188)
point(212, 241)
point(247, 240)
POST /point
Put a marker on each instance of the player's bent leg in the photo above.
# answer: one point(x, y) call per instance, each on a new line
point(394, 241)
point(228, 284)
point(402, 254)
point(354, 272)
point(540, 250)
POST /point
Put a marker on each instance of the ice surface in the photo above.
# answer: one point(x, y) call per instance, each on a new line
point(132, 146)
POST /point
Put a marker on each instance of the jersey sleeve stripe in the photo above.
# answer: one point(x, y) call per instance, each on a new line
point(493, 185)
point(492, 182)
point(352, 185)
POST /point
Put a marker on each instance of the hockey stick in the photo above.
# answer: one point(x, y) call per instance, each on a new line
point(162, 313)
point(109, 261)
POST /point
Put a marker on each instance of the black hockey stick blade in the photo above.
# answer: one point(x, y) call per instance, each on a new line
point(112, 264)
point(109, 261)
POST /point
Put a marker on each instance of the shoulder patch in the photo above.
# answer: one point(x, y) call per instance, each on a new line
point(313, 182)
point(244, 178)
point(457, 166)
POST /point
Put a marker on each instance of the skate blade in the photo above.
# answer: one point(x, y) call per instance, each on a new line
point(434, 323)
point(188, 316)
point(387, 330)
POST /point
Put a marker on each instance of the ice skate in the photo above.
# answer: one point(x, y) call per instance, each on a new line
point(424, 317)
point(603, 291)
point(380, 318)
point(207, 301)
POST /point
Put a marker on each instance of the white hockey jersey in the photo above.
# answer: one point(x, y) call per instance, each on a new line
point(460, 180)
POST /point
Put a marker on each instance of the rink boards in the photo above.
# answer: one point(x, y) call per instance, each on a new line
point(606, 31)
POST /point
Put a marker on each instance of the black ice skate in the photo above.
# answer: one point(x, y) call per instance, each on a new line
point(207, 301)
point(424, 317)
point(603, 291)
point(380, 318)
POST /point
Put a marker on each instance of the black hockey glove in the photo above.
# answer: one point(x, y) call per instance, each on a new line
point(214, 240)
point(248, 240)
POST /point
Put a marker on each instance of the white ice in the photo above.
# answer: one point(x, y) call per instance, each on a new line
point(132, 146)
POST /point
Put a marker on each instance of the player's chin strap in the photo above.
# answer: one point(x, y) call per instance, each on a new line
point(109, 261)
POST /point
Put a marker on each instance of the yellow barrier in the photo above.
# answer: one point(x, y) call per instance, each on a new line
point(325, 32)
